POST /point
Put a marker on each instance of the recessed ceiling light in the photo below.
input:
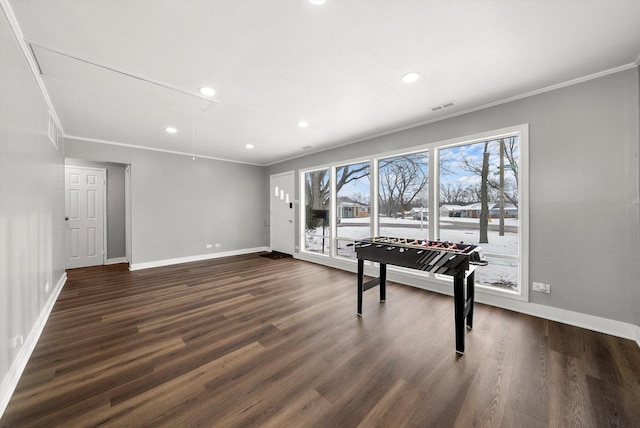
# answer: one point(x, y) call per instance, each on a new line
point(303, 124)
point(249, 146)
point(171, 130)
point(317, 2)
point(207, 92)
point(410, 77)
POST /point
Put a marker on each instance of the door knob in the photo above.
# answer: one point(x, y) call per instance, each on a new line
point(66, 218)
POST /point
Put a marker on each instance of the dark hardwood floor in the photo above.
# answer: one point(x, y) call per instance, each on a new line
point(248, 341)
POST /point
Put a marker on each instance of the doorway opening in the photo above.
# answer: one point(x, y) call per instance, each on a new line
point(116, 222)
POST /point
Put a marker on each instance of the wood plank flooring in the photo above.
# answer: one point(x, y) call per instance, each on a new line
point(248, 341)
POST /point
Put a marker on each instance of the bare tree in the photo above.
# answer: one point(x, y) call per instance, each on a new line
point(492, 188)
point(402, 179)
point(348, 173)
point(511, 153)
point(454, 193)
point(510, 187)
point(318, 190)
point(484, 199)
point(474, 193)
point(361, 198)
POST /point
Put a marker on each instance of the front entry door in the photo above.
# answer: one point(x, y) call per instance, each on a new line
point(282, 213)
point(84, 215)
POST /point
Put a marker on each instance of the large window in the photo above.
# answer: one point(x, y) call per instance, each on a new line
point(317, 186)
point(479, 204)
point(470, 190)
point(403, 198)
point(353, 208)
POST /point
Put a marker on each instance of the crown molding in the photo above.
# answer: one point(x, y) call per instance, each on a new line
point(152, 149)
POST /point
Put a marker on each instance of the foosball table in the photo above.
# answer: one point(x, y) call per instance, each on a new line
point(447, 258)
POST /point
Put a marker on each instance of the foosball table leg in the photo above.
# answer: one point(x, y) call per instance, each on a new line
point(470, 299)
point(383, 282)
point(360, 285)
point(458, 302)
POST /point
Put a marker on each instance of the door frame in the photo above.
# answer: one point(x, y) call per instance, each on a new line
point(98, 164)
point(127, 214)
point(294, 201)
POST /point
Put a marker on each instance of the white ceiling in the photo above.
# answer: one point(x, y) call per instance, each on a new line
point(122, 71)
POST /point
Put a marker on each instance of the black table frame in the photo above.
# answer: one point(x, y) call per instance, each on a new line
point(463, 307)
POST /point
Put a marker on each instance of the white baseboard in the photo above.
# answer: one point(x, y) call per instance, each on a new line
point(17, 367)
point(167, 262)
point(116, 261)
point(577, 319)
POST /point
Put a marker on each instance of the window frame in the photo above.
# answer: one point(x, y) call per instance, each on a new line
point(332, 259)
point(334, 195)
point(302, 212)
point(398, 153)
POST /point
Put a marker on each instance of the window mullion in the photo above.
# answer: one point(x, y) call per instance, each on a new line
point(434, 194)
point(374, 198)
point(333, 212)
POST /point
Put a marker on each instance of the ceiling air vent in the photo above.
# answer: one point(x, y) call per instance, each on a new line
point(443, 106)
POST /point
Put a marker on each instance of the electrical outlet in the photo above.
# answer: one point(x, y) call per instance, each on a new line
point(542, 287)
point(218, 245)
point(209, 245)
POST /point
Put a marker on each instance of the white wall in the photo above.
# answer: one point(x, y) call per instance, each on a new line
point(584, 219)
point(180, 205)
point(31, 212)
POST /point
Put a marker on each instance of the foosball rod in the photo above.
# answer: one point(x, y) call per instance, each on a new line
point(392, 245)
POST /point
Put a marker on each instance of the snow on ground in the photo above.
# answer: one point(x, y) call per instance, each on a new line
point(500, 272)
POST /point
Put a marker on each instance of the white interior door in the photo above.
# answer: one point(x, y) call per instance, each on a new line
point(282, 213)
point(84, 208)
